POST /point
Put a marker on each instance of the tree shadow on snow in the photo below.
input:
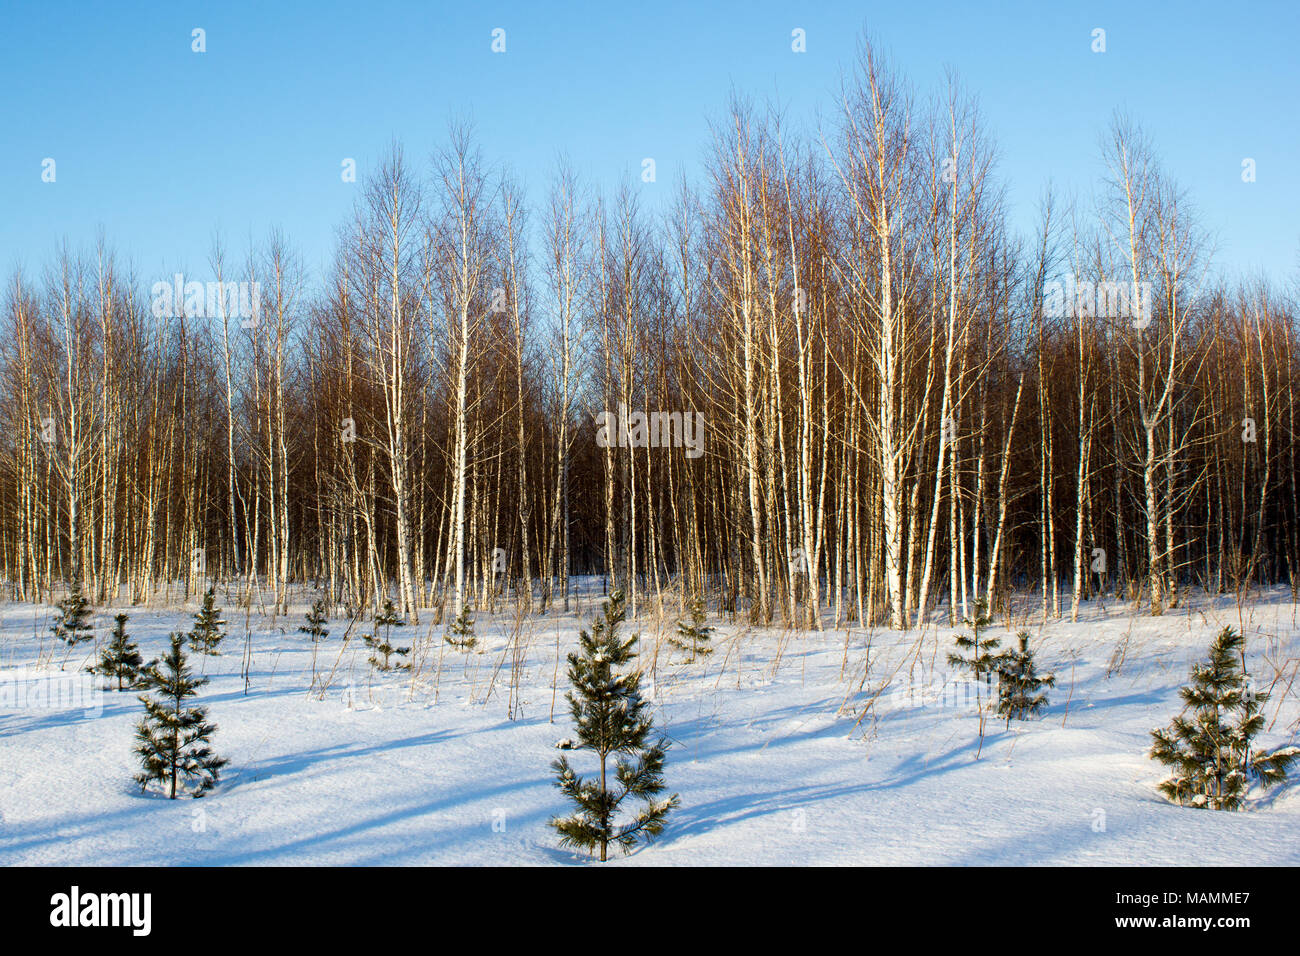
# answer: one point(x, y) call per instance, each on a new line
point(293, 763)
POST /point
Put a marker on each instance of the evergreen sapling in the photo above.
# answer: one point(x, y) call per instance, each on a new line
point(1019, 684)
point(315, 626)
point(173, 739)
point(120, 659)
point(982, 662)
point(72, 624)
point(1209, 746)
point(693, 635)
point(610, 719)
point(462, 631)
point(388, 618)
point(206, 635)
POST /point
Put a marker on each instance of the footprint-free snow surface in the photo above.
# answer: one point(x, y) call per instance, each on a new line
point(841, 746)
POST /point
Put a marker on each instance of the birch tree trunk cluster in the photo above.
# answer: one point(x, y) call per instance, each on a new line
point(904, 406)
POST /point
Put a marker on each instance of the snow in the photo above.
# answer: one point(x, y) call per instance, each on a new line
point(775, 754)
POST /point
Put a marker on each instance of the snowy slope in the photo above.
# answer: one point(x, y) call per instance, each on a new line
point(770, 758)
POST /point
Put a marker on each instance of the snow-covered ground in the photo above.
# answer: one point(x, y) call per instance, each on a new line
point(776, 755)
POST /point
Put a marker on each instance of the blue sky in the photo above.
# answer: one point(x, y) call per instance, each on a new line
point(160, 146)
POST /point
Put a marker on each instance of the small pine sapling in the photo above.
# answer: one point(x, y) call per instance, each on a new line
point(1209, 745)
point(462, 631)
point(120, 659)
point(315, 626)
point(316, 630)
point(610, 718)
point(388, 618)
point(982, 662)
point(693, 635)
point(172, 741)
point(207, 633)
point(1020, 689)
point(72, 623)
